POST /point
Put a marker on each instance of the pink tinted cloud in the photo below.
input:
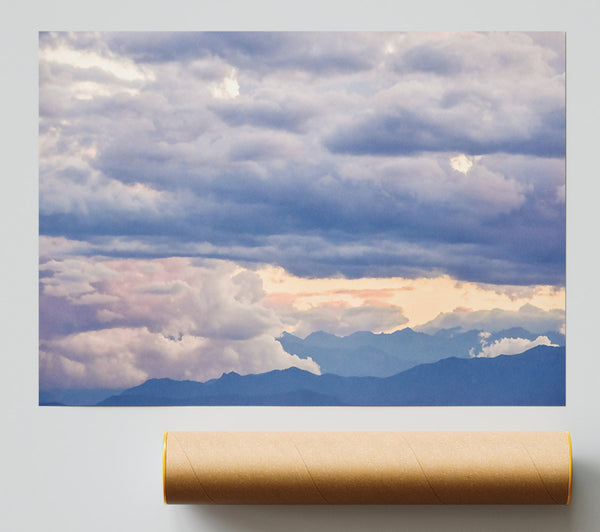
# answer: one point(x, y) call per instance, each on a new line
point(122, 357)
point(175, 317)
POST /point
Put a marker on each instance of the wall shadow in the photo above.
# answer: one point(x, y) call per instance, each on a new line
point(383, 518)
point(582, 515)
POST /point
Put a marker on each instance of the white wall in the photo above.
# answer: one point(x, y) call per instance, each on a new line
point(99, 469)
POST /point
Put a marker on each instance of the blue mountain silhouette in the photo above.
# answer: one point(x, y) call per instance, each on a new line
point(367, 354)
point(535, 377)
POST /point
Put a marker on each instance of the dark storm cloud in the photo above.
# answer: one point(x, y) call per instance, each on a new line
point(269, 114)
point(427, 59)
point(340, 227)
point(325, 153)
point(261, 51)
point(404, 132)
point(473, 93)
point(482, 54)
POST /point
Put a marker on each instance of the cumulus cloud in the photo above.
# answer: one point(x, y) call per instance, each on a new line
point(113, 323)
point(343, 155)
point(508, 346)
point(227, 89)
point(461, 163)
point(171, 296)
point(110, 64)
point(342, 320)
point(483, 53)
point(310, 53)
point(73, 278)
point(255, 146)
point(458, 99)
point(125, 357)
point(528, 317)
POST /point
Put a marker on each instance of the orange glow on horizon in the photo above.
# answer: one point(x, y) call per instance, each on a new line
point(421, 299)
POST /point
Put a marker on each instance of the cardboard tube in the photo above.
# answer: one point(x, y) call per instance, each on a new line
point(367, 467)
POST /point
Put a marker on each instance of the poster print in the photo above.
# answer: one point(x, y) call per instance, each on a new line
point(302, 218)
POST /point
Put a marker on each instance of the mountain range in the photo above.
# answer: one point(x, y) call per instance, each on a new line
point(535, 377)
point(382, 355)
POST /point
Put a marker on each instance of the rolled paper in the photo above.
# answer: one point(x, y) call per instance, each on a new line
point(367, 467)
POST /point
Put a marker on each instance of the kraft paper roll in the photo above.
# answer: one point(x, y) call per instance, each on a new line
point(367, 467)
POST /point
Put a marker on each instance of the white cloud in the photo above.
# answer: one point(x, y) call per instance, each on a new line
point(461, 163)
point(59, 246)
point(88, 90)
point(72, 278)
point(125, 357)
point(175, 318)
point(114, 74)
point(529, 317)
point(509, 346)
point(342, 320)
point(465, 181)
point(119, 67)
point(91, 193)
point(227, 89)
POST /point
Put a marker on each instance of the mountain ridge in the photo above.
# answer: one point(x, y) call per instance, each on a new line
point(364, 353)
point(536, 377)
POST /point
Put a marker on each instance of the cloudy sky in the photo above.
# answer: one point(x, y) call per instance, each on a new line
point(201, 193)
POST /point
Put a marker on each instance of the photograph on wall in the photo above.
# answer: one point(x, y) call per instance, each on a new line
point(302, 218)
